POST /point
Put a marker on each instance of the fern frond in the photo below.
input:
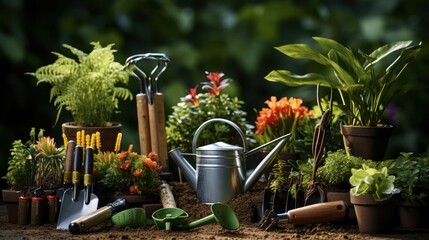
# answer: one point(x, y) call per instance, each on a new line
point(86, 87)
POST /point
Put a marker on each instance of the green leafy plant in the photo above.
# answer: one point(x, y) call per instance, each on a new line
point(412, 175)
point(89, 87)
point(35, 163)
point(196, 108)
point(335, 172)
point(126, 172)
point(296, 180)
point(368, 180)
point(365, 88)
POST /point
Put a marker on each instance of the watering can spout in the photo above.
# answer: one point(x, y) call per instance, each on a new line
point(185, 167)
point(266, 162)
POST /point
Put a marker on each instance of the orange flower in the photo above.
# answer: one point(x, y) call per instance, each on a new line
point(281, 117)
point(137, 173)
point(150, 164)
point(122, 155)
point(134, 189)
point(127, 172)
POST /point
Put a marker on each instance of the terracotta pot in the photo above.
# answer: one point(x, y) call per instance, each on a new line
point(108, 133)
point(343, 196)
point(367, 142)
point(11, 199)
point(412, 214)
point(374, 216)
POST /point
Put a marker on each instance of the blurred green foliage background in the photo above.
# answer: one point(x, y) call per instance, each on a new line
point(236, 37)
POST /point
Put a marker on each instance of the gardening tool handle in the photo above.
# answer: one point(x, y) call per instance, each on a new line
point(68, 164)
point(152, 128)
point(77, 165)
point(96, 217)
point(158, 137)
point(87, 178)
point(90, 220)
point(143, 123)
point(167, 197)
point(318, 213)
point(160, 128)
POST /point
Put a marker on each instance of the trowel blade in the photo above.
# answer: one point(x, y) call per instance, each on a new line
point(71, 210)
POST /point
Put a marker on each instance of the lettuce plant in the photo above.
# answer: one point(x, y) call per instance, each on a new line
point(368, 180)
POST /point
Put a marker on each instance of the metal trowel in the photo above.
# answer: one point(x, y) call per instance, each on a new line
point(75, 202)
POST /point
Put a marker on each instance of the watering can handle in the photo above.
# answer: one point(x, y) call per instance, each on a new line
point(200, 129)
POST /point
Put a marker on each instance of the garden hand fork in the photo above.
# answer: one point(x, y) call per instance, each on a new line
point(150, 106)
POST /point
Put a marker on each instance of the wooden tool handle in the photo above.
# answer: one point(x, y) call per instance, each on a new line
point(167, 197)
point(68, 165)
point(160, 129)
point(319, 213)
point(143, 123)
point(90, 220)
point(158, 136)
point(152, 124)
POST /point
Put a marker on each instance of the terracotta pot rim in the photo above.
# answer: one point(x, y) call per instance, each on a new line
point(368, 199)
point(74, 125)
point(378, 126)
point(364, 131)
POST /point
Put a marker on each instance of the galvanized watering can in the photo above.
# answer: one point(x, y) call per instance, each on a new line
point(220, 170)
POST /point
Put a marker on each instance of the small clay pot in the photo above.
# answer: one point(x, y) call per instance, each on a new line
point(374, 217)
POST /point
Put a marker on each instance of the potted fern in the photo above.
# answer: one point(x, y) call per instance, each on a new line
point(89, 86)
point(365, 87)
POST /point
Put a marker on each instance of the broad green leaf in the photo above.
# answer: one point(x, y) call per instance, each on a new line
point(292, 79)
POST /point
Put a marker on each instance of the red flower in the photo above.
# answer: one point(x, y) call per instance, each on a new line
point(215, 86)
point(134, 189)
point(153, 156)
point(125, 165)
point(192, 96)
